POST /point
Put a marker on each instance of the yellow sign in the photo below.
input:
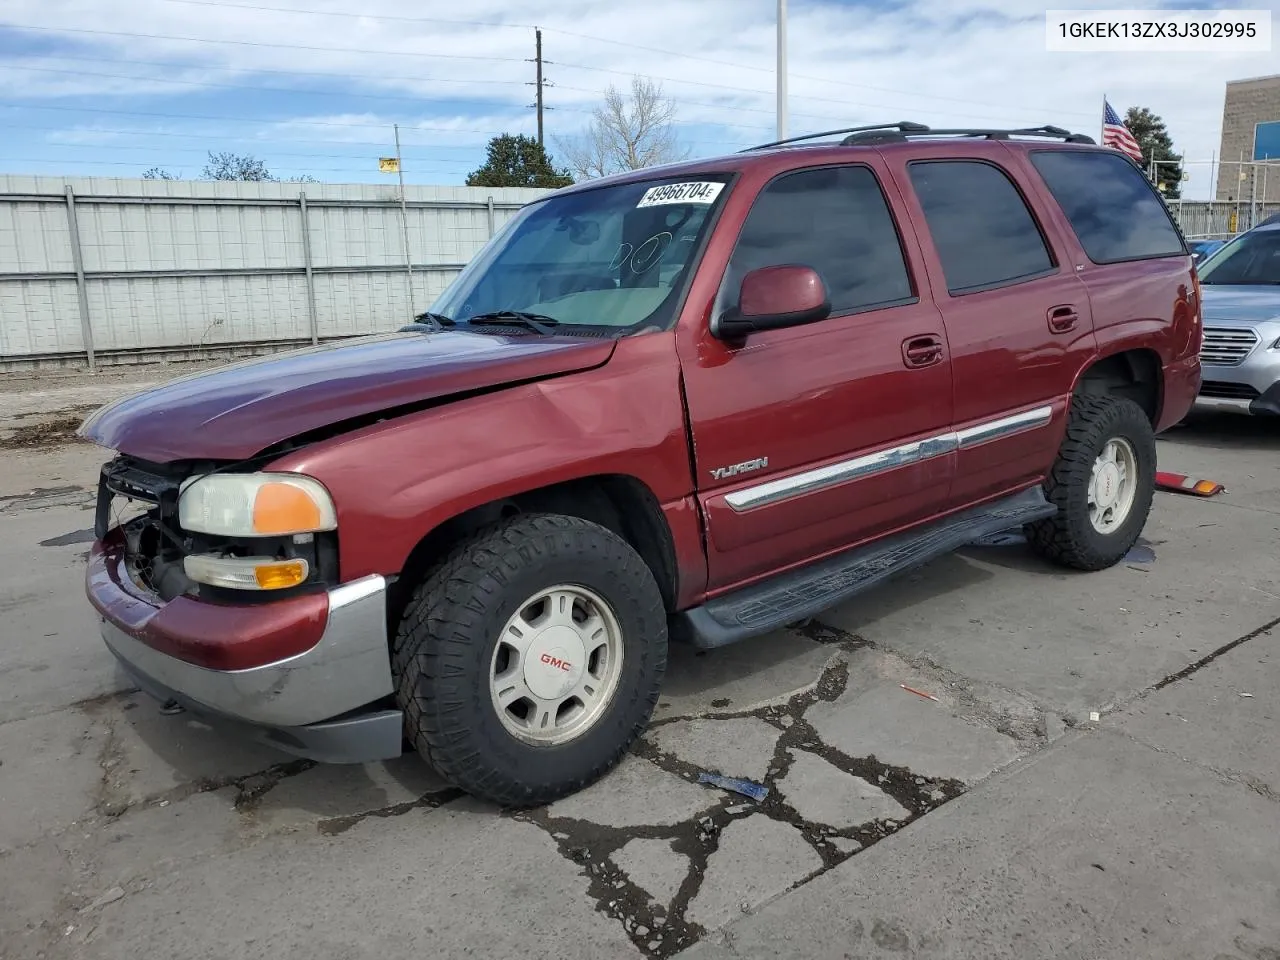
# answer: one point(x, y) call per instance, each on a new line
point(388, 165)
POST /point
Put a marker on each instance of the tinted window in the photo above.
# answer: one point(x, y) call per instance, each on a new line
point(1112, 207)
point(1252, 258)
point(834, 220)
point(981, 227)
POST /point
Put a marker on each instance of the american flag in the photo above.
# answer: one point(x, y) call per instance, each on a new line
point(1115, 134)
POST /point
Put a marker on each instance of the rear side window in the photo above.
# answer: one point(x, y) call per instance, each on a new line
point(984, 234)
point(835, 220)
point(1111, 206)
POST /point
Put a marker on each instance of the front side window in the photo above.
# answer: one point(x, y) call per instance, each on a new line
point(1112, 207)
point(613, 258)
point(981, 227)
point(1252, 259)
point(835, 220)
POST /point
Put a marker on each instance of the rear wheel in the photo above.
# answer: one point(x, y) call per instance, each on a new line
point(1102, 483)
point(531, 658)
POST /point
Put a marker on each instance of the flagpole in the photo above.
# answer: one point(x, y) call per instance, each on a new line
point(1102, 132)
point(404, 221)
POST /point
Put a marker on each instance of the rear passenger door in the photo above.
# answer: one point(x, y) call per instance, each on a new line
point(809, 439)
point(1131, 257)
point(1017, 317)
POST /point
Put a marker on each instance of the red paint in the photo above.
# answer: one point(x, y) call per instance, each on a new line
point(623, 418)
point(236, 411)
point(781, 290)
point(669, 408)
point(217, 636)
point(805, 397)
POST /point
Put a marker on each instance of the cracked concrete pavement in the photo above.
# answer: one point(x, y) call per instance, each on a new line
point(990, 818)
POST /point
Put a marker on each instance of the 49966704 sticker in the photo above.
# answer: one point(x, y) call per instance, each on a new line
point(689, 192)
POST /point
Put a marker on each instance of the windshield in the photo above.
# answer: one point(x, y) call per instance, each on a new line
point(613, 258)
point(1252, 258)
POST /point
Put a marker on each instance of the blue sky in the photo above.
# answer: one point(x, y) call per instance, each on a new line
point(91, 87)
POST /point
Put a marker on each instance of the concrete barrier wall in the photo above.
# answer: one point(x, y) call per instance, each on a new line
point(99, 271)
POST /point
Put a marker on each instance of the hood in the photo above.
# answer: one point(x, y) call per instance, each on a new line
point(236, 411)
point(1247, 303)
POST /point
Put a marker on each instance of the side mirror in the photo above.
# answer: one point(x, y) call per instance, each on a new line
point(772, 298)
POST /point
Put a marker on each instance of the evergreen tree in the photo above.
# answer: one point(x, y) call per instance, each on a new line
point(1150, 132)
point(518, 161)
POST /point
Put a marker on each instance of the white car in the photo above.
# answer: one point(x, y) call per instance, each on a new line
point(1240, 357)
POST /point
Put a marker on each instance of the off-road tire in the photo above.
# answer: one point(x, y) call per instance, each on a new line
point(443, 649)
point(1069, 538)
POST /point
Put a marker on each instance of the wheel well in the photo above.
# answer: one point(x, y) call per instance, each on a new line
point(617, 502)
point(1134, 375)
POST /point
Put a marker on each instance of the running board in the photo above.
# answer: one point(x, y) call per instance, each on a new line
point(800, 594)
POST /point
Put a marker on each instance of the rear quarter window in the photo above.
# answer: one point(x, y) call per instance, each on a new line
point(1113, 209)
point(985, 235)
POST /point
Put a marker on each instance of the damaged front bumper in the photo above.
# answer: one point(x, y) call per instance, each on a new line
point(322, 689)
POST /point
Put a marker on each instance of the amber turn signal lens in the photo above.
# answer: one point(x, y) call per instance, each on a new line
point(281, 575)
point(246, 573)
point(282, 508)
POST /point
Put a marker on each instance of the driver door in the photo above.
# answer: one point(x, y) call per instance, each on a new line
point(810, 439)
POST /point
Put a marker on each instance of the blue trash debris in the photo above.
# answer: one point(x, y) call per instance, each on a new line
point(745, 787)
point(1140, 554)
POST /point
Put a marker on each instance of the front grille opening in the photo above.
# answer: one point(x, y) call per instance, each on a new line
point(1227, 346)
point(1220, 390)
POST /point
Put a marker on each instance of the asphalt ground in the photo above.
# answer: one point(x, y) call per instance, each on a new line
point(989, 757)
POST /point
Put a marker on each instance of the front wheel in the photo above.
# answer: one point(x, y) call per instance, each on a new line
point(531, 659)
point(1102, 483)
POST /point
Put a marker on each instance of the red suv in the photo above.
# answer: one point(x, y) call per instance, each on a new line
point(704, 400)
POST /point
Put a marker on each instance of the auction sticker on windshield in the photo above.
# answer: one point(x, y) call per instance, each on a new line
point(701, 192)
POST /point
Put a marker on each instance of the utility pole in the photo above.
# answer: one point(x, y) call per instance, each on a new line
point(540, 82)
point(782, 69)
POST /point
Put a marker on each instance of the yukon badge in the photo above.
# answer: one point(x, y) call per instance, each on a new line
point(747, 466)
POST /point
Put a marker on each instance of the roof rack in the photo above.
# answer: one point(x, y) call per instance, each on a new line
point(903, 130)
point(1050, 132)
point(902, 126)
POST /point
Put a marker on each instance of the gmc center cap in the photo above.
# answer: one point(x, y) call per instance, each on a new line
point(555, 663)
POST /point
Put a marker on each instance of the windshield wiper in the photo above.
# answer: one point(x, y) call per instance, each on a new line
point(538, 322)
point(436, 321)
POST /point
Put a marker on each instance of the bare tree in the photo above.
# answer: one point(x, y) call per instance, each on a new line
point(233, 166)
point(626, 133)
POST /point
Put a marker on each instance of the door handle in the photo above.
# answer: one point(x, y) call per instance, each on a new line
point(1063, 318)
point(922, 351)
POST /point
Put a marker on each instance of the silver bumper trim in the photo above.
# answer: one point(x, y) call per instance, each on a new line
point(349, 668)
point(1222, 404)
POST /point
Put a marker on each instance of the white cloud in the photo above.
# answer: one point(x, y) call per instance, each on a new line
point(951, 62)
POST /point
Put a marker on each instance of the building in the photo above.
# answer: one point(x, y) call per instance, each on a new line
point(1250, 129)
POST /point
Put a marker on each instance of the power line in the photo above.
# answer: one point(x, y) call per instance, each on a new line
point(256, 88)
point(414, 99)
point(138, 163)
point(287, 46)
point(356, 16)
point(285, 121)
point(380, 78)
point(273, 153)
point(223, 118)
point(635, 46)
point(378, 96)
point(259, 43)
point(216, 136)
